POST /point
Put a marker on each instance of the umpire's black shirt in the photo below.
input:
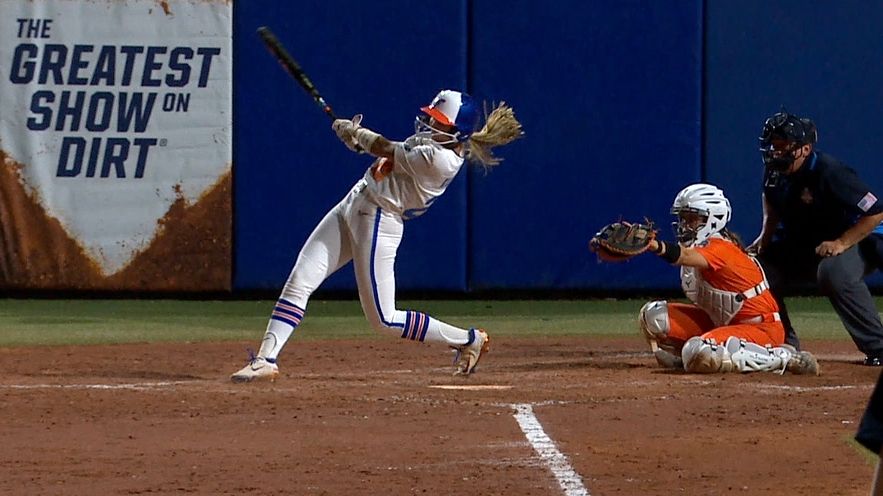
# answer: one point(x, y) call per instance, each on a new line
point(819, 202)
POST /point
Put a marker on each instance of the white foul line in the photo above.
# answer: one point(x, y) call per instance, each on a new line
point(801, 389)
point(135, 386)
point(568, 479)
point(471, 387)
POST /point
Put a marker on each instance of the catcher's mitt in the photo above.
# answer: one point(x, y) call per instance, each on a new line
point(622, 240)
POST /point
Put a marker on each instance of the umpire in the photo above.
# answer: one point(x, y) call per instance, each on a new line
point(821, 224)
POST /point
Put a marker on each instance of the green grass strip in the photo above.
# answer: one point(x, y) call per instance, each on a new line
point(63, 322)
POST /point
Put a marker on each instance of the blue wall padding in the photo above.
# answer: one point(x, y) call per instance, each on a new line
point(608, 93)
point(382, 59)
point(623, 103)
point(818, 59)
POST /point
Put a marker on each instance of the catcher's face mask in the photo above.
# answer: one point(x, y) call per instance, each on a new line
point(689, 222)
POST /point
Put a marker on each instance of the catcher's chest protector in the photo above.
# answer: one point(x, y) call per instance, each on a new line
point(719, 304)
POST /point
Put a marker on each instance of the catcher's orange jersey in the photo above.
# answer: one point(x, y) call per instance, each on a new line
point(731, 269)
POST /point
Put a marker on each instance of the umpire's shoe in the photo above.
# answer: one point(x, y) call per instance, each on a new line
point(873, 361)
point(258, 369)
point(470, 353)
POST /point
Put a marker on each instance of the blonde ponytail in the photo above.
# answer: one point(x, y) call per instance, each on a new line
point(500, 128)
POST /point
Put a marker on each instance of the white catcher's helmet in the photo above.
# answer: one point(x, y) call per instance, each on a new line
point(709, 202)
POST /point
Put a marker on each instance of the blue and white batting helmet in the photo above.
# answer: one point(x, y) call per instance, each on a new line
point(454, 108)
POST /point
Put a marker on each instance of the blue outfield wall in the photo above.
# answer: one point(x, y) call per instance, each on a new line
point(381, 59)
point(608, 93)
point(819, 59)
point(623, 103)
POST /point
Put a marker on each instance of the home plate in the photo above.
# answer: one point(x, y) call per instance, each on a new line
point(470, 387)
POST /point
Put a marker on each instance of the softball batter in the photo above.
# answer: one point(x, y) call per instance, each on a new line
point(367, 225)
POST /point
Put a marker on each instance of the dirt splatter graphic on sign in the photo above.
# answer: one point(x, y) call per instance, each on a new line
point(35, 250)
point(164, 4)
point(191, 250)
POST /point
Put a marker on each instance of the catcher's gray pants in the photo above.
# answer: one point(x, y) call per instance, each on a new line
point(841, 279)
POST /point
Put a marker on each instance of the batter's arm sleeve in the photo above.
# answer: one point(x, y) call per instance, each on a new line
point(382, 147)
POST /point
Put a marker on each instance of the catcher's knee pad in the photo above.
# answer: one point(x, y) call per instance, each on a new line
point(705, 356)
point(654, 320)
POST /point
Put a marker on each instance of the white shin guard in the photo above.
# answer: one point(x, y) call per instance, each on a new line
point(752, 357)
point(705, 356)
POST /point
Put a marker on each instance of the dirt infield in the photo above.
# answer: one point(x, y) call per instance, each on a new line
point(363, 417)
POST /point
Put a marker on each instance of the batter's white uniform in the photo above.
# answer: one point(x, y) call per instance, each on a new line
point(366, 227)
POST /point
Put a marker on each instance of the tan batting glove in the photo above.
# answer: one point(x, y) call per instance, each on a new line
point(346, 131)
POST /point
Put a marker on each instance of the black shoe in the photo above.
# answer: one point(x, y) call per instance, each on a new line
point(873, 361)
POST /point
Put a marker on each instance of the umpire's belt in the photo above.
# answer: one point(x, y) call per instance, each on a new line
point(761, 319)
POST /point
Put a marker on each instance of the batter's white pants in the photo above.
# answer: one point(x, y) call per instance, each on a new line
point(355, 229)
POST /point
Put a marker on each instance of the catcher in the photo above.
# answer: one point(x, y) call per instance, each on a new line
point(732, 324)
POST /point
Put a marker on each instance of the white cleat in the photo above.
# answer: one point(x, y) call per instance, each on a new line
point(468, 355)
point(258, 369)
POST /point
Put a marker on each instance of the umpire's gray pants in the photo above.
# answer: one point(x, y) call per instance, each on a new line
point(841, 279)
